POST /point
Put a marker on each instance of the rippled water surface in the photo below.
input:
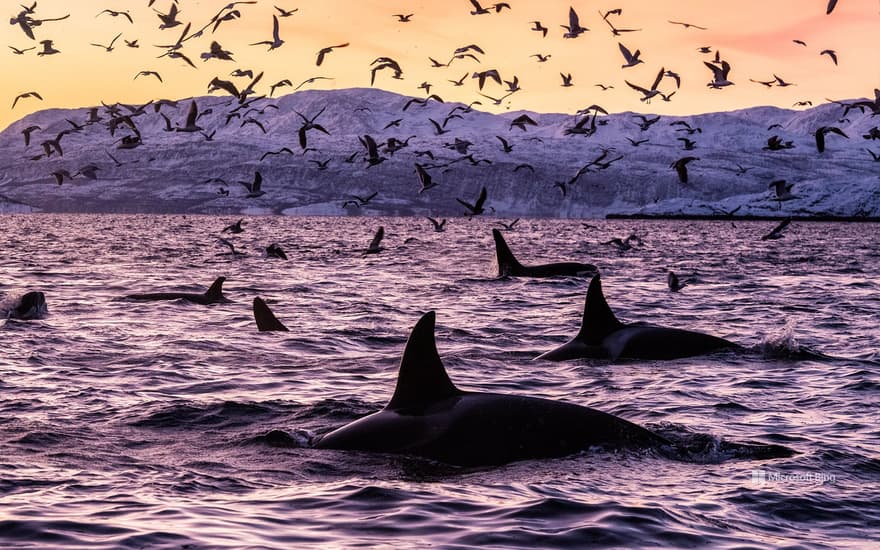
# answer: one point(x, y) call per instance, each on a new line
point(169, 424)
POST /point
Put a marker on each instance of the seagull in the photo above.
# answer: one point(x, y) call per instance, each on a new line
point(275, 251)
point(311, 80)
point(776, 232)
point(48, 49)
point(874, 155)
point(632, 59)
point(537, 26)
point(385, 63)
point(168, 19)
point(285, 13)
point(566, 80)
point(673, 283)
point(60, 175)
point(521, 121)
point(324, 51)
point(438, 226)
point(820, 135)
point(781, 83)
point(647, 94)
point(375, 247)
point(232, 251)
point(680, 167)
point(505, 146)
point(309, 124)
point(830, 53)
point(647, 122)
point(131, 43)
point(401, 18)
point(541, 57)
point(278, 152)
point(509, 226)
point(574, 27)
point(117, 14)
point(801, 42)
point(26, 95)
point(782, 191)
point(372, 157)
point(424, 179)
point(279, 84)
point(476, 208)
point(688, 25)
point(234, 228)
point(217, 52)
point(148, 73)
point(276, 41)
point(255, 189)
point(719, 75)
point(17, 51)
point(191, 117)
point(831, 5)
point(27, 134)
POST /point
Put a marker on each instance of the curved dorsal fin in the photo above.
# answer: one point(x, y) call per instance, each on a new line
point(599, 321)
point(216, 290)
point(264, 317)
point(506, 261)
point(422, 378)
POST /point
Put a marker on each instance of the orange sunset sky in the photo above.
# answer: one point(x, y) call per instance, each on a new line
point(754, 36)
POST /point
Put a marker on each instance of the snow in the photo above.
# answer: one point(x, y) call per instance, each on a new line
point(168, 172)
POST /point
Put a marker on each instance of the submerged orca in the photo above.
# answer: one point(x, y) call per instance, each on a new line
point(429, 417)
point(602, 335)
point(31, 305)
point(213, 295)
point(266, 320)
point(509, 266)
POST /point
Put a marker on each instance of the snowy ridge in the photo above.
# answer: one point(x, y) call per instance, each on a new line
point(168, 172)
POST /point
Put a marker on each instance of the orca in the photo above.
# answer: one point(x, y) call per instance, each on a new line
point(602, 335)
point(509, 266)
point(266, 320)
point(31, 305)
point(429, 417)
point(213, 295)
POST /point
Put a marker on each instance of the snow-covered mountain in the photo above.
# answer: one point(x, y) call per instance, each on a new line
point(170, 171)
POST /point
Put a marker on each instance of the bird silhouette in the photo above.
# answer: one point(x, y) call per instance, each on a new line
point(476, 208)
point(680, 167)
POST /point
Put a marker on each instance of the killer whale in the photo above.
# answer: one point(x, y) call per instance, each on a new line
point(214, 295)
point(31, 305)
point(265, 319)
point(429, 417)
point(602, 335)
point(509, 266)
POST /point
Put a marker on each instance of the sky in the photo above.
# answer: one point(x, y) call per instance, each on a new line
point(754, 36)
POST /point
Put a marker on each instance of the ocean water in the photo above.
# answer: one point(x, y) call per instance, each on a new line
point(175, 425)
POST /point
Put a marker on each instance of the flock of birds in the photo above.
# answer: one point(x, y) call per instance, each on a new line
point(249, 107)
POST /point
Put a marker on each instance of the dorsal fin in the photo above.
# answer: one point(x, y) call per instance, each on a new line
point(215, 293)
point(264, 317)
point(422, 378)
point(599, 321)
point(506, 261)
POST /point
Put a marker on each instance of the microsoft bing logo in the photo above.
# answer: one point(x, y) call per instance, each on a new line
point(759, 478)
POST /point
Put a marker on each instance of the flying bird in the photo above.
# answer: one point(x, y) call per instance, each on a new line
point(574, 28)
point(822, 131)
point(632, 59)
point(476, 208)
point(438, 226)
point(537, 26)
point(324, 51)
point(26, 95)
point(255, 188)
point(830, 53)
point(276, 41)
point(688, 25)
point(117, 14)
point(375, 245)
point(148, 73)
point(776, 232)
point(647, 94)
point(831, 5)
point(680, 167)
